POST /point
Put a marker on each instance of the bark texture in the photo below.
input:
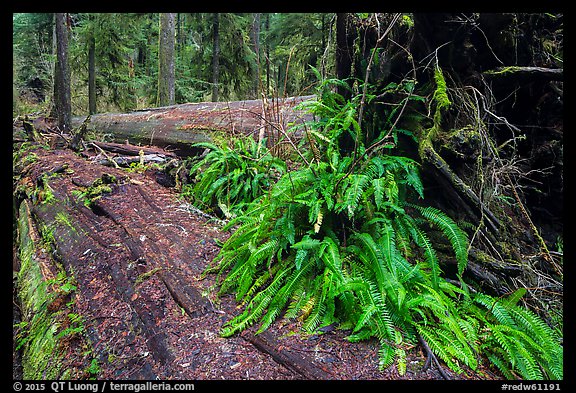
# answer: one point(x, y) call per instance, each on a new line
point(166, 60)
point(62, 98)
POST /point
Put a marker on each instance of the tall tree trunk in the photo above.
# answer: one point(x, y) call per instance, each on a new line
point(267, 53)
point(92, 75)
point(255, 38)
point(215, 55)
point(62, 98)
point(178, 33)
point(344, 37)
point(343, 53)
point(166, 87)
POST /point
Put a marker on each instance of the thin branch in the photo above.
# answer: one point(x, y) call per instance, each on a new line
point(430, 355)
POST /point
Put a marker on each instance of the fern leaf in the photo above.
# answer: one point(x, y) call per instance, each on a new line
point(455, 235)
point(354, 192)
point(386, 353)
point(513, 299)
point(255, 307)
point(401, 363)
point(429, 256)
point(379, 191)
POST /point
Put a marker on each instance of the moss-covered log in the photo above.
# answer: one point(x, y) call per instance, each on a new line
point(49, 331)
point(525, 73)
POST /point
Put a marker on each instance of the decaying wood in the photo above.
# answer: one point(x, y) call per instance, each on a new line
point(79, 134)
point(126, 161)
point(552, 74)
point(135, 258)
point(294, 360)
point(129, 150)
point(460, 186)
point(178, 126)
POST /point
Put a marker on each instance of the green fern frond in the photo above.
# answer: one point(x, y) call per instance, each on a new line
point(455, 235)
point(387, 355)
point(283, 295)
point(501, 364)
point(438, 347)
point(353, 192)
point(429, 256)
point(255, 307)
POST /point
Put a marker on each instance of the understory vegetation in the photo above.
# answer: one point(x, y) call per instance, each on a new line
point(345, 239)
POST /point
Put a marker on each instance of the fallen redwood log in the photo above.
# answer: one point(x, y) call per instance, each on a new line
point(134, 257)
point(178, 126)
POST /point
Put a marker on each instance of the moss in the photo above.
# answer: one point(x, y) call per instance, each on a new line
point(64, 219)
point(42, 289)
point(144, 276)
point(99, 187)
point(407, 21)
point(440, 97)
point(40, 354)
point(463, 142)
point(441, 92)
point(503, 71)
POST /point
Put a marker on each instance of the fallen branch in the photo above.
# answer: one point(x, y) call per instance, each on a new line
point(129, 150)
point(126, 161)
point(430, 356)
point(297, 362)
point(552, 74)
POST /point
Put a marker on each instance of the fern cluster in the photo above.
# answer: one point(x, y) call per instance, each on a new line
point(336, 242)
point(232, 174)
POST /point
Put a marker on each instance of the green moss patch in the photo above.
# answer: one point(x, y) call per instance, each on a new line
point(49, 330)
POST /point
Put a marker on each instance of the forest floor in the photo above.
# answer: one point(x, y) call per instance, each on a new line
point(137, 255)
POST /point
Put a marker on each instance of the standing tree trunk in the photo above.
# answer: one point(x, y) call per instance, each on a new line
point(215, 56)
point(343, 53)
point(267, 24)
point(92, 75)
point(62, 99)
point(166, 87)
point(255, 38)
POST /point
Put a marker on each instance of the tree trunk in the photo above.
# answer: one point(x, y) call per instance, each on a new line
point(134, 262)
point(255, 38)
point(62, 98)
point(91, 75)
point(343, 51)
point(166, 77)
point(494, 157)
point(215, 55)
point(179, 126)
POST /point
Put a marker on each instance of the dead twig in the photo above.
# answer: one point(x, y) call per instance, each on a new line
point(430, 356)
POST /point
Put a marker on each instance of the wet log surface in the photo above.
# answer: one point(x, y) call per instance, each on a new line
point(137, 254)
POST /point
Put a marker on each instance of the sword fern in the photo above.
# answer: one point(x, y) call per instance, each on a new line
point(338, 243)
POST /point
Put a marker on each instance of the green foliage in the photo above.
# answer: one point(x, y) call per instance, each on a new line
point(232, 174)
point(516, 340)
point(337, 243)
